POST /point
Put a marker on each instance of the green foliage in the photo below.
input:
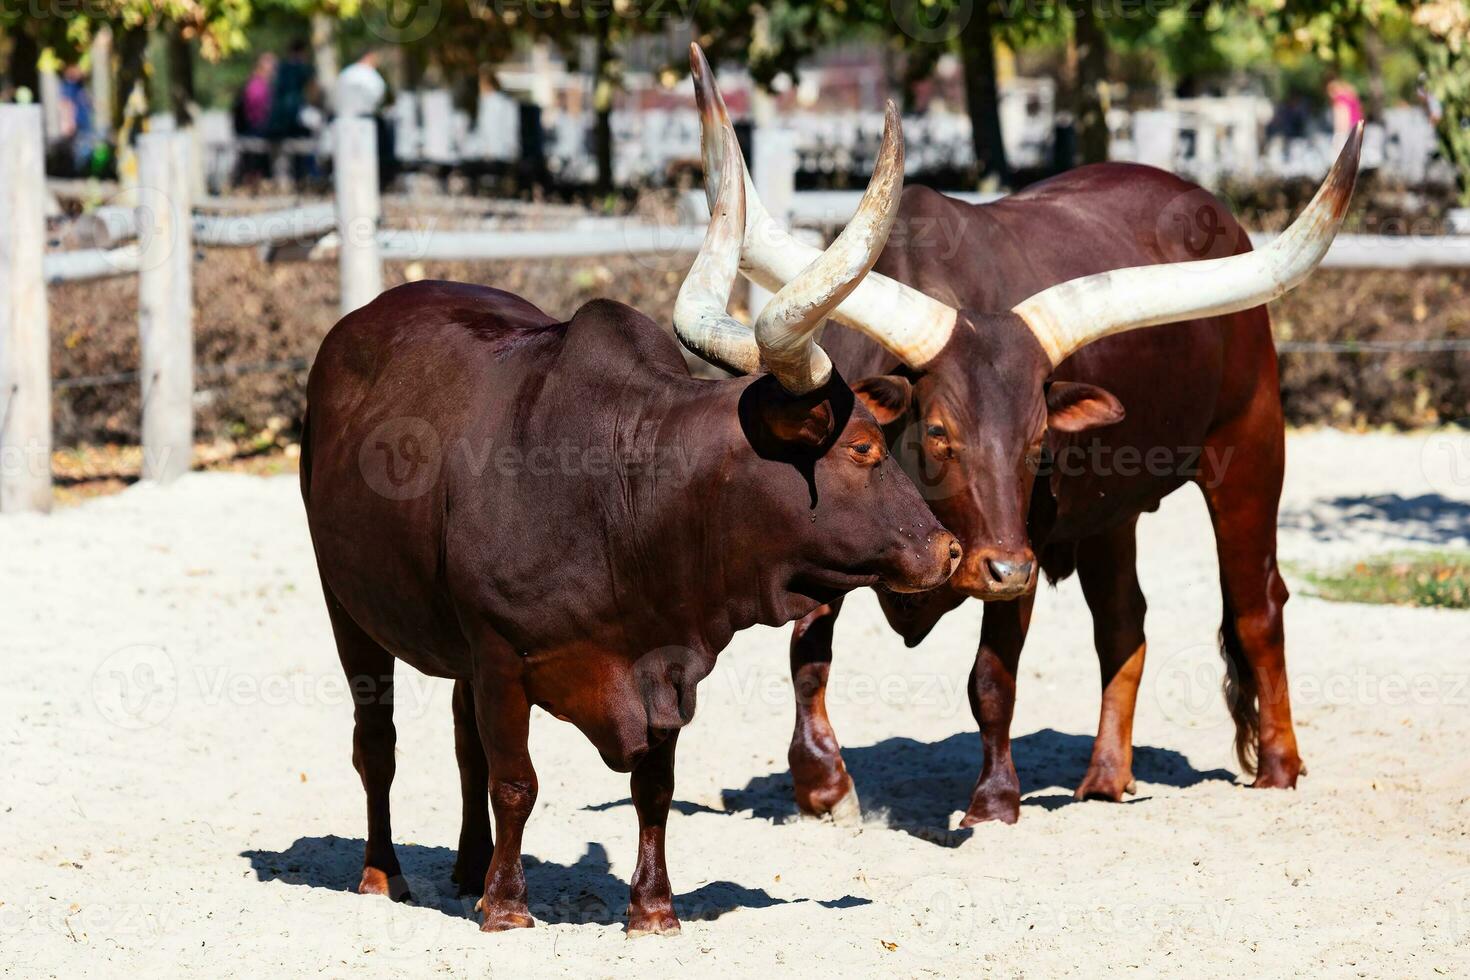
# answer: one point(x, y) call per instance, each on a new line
point(1439, 580)
point(1443, 46)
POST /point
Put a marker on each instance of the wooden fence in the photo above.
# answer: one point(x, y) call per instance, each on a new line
point(155, 238)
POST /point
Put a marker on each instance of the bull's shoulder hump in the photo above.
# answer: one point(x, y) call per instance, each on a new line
point(1101, 179)
point(917, 199)
point(609, 330)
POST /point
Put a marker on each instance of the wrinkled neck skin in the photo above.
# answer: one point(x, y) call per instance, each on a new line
point(701, 541)
point(678, 561)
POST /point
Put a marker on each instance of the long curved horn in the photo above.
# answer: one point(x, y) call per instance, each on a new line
point(787, 327)
point(910, 325)
point(1072, 314)
point(701, 319)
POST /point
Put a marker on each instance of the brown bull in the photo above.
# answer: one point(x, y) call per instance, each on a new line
point(556, 514)
point(988, 400)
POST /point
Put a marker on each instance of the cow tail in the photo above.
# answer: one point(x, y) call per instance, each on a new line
point(1240, 694)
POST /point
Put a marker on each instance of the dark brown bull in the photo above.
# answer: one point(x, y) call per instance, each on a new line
point(988, 399)
point(557, 514)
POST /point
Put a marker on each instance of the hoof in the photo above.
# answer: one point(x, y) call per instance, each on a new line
point(1002, 807)
point(653, 922)
point(848, 811)
point(1102, 783)
point(1278, 774)
point(835, 796)
point(469, 876)
point(499, 917)
point(377, 882)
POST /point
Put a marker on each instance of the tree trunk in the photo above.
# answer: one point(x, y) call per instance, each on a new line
point(180, 77)
point(982, 96)
point(324, 54)
point(132, 52)
point(25, 56)
point(602, 100)
point(1092, 74)
point(1373, 60)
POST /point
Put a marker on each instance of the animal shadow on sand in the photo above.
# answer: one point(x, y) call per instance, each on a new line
point(1429, 518)
point(584, 892)
point(915, 786)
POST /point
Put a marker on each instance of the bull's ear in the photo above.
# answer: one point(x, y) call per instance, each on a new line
point(780, 425)
point(797, 423)
point(1075, 407)
point(886, 395)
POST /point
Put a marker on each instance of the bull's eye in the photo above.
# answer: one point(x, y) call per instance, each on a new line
point(937, 442)
point(864, 453)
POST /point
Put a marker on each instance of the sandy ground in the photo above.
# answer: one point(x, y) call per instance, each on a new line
point(174, 738)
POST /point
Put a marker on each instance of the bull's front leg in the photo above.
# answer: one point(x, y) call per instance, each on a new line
point(997, 793)
point(651, 902)
point(503, 714)
point(818, 774)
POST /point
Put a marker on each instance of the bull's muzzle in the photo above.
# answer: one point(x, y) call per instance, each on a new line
point(997, 576)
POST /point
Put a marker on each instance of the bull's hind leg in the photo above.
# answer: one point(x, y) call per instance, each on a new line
point(1107, 569)
point(503, 716)
point(369, 670)
point(475, 840)
point(997, 793)
point(817, 771)
point(1241, 475)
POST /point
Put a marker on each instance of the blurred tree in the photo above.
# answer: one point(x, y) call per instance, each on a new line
point(211, 28)
point(1443, 45)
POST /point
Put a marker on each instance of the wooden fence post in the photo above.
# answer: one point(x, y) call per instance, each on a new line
point(166, 304)
point(355, 172)
point(774, 176)
point(25, 342)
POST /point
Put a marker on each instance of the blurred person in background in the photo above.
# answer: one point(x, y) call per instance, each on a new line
point(360, 92)
point(253, 105)
point(253, 116)
point(360, 88)
point(78, 123)
point(1347, 109)
point(289, 98)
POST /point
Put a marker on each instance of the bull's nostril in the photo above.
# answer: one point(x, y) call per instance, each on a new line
point(1010, 574)
point(954, 549)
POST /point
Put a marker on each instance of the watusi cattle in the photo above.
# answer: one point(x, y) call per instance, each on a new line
point(1040, 421)
point(556, 514)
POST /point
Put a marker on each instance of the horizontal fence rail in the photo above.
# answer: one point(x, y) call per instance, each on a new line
point(158, 242)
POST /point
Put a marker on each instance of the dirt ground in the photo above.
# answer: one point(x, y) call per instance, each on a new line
point(179, 794)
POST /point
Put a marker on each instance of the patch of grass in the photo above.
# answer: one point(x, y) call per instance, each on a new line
point(1439, 580)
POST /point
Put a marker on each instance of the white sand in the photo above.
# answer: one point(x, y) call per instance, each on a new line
point(178, 795)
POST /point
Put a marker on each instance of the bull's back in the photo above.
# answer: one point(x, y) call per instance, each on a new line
point(395, 387)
